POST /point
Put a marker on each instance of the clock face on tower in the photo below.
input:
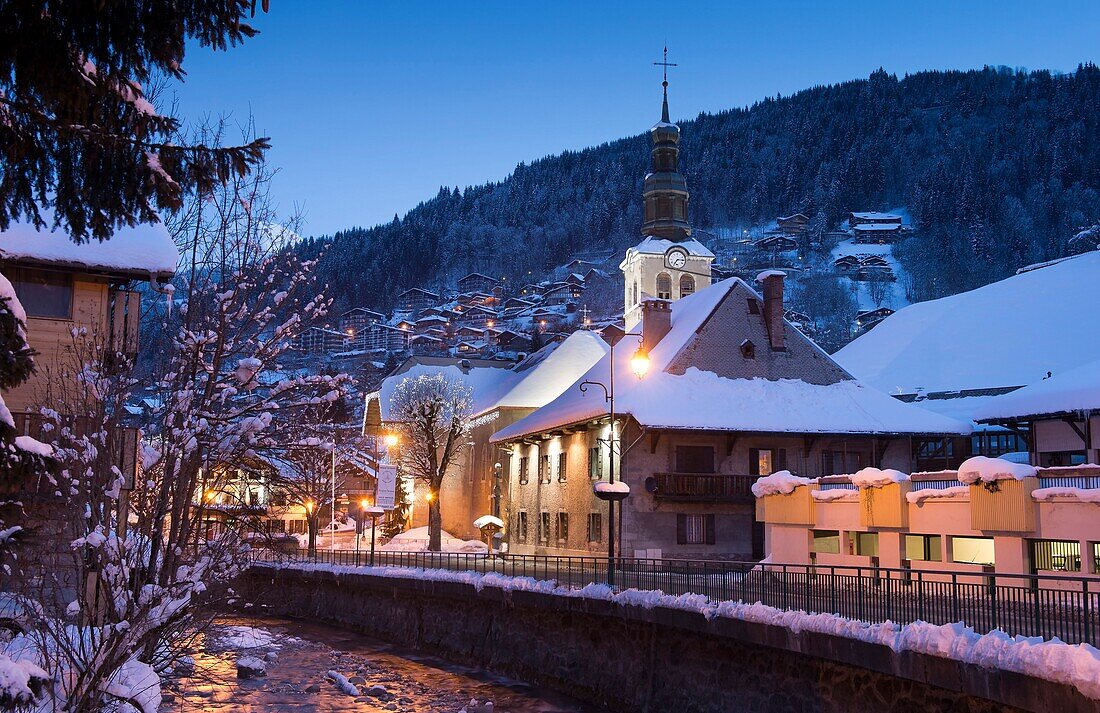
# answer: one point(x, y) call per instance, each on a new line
point(676, 258)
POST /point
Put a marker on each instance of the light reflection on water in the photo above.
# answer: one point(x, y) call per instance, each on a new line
point(307, 651)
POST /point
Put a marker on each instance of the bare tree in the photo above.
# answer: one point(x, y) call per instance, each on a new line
point(430, 413)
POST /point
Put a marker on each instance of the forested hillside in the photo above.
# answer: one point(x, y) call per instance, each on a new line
point(998, 168)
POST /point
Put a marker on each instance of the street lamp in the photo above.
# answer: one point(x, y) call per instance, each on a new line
point(639, 364)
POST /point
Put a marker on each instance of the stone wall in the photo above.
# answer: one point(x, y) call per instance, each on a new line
point(637, 659)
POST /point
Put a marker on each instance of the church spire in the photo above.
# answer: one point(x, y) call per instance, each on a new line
point(665, 191)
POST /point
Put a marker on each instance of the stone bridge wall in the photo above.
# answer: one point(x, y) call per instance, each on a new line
point(626, 658)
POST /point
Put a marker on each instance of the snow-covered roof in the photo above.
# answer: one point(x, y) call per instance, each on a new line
point(873, 215)
point(132, 251)
point(541, 380)
point(696, 399)
point(1066, 392)
point(1008, 333)
point(487, 382)
point(651, 245)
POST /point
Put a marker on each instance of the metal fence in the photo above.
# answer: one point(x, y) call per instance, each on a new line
point(1048, 606)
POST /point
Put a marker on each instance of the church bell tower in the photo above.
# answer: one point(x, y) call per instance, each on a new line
point(668, 263)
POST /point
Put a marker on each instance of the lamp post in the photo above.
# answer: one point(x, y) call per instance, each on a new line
point(639, 364)
point(373, 512)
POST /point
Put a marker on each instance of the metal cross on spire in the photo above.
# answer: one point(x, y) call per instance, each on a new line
point(664, 65)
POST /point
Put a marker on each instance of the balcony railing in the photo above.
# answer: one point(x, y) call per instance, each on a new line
point(704, 487)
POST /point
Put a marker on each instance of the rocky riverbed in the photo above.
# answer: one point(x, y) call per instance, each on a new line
point(301, 666)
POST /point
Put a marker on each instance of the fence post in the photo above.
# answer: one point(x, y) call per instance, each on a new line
point(955, 597)
point(1086, 610)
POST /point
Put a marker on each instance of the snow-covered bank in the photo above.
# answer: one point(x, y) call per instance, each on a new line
point(1074, 665)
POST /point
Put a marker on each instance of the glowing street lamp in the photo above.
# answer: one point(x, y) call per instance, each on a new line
point(390, 439)
point(639, 363)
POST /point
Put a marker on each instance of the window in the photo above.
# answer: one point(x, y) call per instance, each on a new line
point(1056, 555)
point(664, 286)
point(866, 544)
point(595, 464)
point(695, 529)
point(694, 459)
point(524, 470)
point(562, 465)
point(927, 548)
point(563, 527)
point(748, 349)
point(297, 527)
point(687, 285)
point(276, 526)
point(595, 527)
point(635, 300)
point(544, 469)
point(521, 526)
point(754, 306)
point(765, 461)
point(972, 550)
point(44, 294)
point(840, 462)
point(825, 541)
point(544, 527)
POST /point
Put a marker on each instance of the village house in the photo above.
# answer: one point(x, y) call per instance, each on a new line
point(416, 298)
point(478, 282)
point(320, 340)
point(384, 337)
point(79, 300)
point(873, 227)
point(356, 323)
point(502, 393)
point(955, 354)
point(796, 224)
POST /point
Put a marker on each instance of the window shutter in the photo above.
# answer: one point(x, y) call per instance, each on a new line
point(681, 529)
point(781, 459)
point(710, 529)
point(754, 461)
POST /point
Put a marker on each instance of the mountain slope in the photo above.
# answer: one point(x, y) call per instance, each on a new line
point(999, 168)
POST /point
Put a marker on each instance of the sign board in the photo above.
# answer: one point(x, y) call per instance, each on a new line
point(387, 487)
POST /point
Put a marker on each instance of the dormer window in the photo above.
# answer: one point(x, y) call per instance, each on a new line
point(754, 306)
point(748, 349)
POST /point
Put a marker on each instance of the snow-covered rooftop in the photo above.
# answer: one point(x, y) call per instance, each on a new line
point(133, 251)
point(699, 399)
point(651, 245)
point(874, 215)
point(1008, 333)
point(1066, 392)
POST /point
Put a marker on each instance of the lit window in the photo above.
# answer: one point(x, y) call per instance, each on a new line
point(972, 550)
point(867, 544)
point(927, 548)
point(695, 529)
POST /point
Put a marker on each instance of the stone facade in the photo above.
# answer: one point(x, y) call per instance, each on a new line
point(640, 660)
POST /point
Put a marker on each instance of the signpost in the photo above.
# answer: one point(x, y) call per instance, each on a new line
point(387, 486)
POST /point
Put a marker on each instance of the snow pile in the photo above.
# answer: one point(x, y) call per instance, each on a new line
point(488, 520)
point(251, 667)
point(835, 495)
point(342, 683)
point(1090, 495)
point(919, 496)
point(36, 447)
point(416, 540)
point(1075, 665)
point(781, 482)
point(618, 487)
point(245, 637)
point(876, 477)
point(988, 470)
point(138, 683)
point(21, 682)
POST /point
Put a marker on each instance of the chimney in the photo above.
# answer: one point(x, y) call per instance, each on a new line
point(656, 321)
point(773, 307)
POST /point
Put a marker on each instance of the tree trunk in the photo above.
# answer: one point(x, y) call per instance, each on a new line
point(311, 528)
point(435, 519)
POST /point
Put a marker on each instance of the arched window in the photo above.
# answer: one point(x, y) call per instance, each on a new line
point(687, 285)
point(635, 300)
point(664, 286)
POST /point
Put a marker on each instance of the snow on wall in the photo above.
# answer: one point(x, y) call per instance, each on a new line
point(781, 482)
point(988, 470)
point(955, 491)
point(1074, 665)
point(877, 477)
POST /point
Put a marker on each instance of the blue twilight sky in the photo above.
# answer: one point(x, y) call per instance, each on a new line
point(371, 106)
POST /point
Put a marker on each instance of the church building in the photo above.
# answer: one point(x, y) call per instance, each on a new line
point(668, 263)
point(732, 392)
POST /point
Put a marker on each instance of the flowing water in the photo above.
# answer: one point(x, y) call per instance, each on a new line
point(297, 675)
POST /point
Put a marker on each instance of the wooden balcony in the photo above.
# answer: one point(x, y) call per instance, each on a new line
point(704, 487)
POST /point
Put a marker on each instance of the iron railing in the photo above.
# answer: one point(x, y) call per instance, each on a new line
point(1047, 606)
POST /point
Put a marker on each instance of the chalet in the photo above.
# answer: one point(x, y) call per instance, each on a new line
point(512, 341)
point(873, 218)
point(417, 298)
point(502, 393)
point(477, 282)
point(424, 324)
point(575, 279)
point(78, 299)
point(777, 243)
point(426, 344)
point(320, 340)
point(472, 346)
point(687, 457)
point(477, 315)
point(517, 302)
point(876, 227)
point(796, 224)
point(384, 337)
point(1061, 413)
point(846, 264)
point(406, 325)
point(357, 320)
point(937, 355)
point(868, 319)
point(561, 294)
